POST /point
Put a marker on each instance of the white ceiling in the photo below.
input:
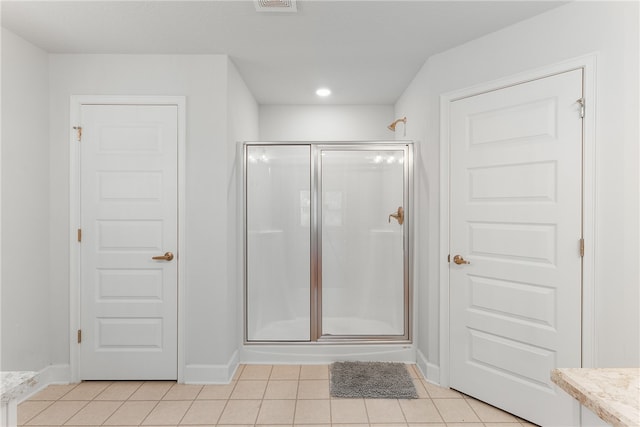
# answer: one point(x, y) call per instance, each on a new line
point(366, 51)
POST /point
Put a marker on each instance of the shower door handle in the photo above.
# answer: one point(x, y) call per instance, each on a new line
point(399, 216)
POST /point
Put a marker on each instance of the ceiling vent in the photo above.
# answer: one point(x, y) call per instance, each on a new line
point(276, 5)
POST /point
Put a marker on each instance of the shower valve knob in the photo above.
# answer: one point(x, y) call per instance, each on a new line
point(399, 215)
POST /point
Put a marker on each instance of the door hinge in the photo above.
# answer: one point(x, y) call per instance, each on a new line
point(79, 234)
point(79, 131)
point(581, 247)
point(581, 103)
point(79, 336)
point(449, 258)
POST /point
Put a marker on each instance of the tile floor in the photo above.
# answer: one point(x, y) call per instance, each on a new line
point(278, 395)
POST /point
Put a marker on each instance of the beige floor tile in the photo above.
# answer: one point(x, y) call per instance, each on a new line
point(152, 390)
point(437, 392)
point(31, 408)
point(131, 413)
point(455, 410)
point(419, 411)
point(314, 372)
point(348, 411)
point(488, 413)
point(276, 412)
point(285, 372)
point(313, 389)
point(240, 412)
point(167, 413)
point(53, 392)
point(256, 372)
point(312, 412)
point(203, 412)
point(281, 389)
point(502, 424)
point(384, 411)
point(249, 389)
point(216, 391)
point(165, 403)
point(413, 371)
point(420, 389)
point(119, 390)
point(57, 413)
point(94, 413)
point(86, 390)
point(183, 392)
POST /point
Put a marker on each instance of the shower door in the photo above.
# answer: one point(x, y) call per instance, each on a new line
point(363, 267)
point(326, 242)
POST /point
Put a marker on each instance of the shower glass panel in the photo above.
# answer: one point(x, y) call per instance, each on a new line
point(363, 276)
point(278, 202)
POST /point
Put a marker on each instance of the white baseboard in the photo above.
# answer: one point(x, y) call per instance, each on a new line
point(56, 374)
point(211, 374)
point(52, 374)
point(430, 371)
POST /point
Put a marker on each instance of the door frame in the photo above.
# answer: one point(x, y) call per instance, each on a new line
point(76, 101)
point(588, 65)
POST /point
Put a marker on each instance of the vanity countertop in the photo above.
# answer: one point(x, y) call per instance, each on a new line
point(14, 383)
point(611, 393)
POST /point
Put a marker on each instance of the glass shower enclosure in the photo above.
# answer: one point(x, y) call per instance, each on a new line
point(327, 242)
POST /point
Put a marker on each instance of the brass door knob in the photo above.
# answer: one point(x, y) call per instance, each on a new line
point(168, 256)
point(459, 260)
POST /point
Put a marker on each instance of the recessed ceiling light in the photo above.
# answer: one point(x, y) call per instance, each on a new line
point(323, 91)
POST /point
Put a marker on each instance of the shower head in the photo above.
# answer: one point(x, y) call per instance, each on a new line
point(393, 125)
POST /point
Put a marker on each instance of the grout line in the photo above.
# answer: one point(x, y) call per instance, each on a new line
point(51, 402)
point(86, 402)
point(188, 409)
point(114, 411)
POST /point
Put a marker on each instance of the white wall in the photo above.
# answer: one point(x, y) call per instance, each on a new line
point(325, 122)
point(25, 206)
point(242, 126)
point(209, 269)
point(609, 29)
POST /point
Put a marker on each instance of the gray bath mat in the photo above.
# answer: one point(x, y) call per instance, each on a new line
point(371, 380)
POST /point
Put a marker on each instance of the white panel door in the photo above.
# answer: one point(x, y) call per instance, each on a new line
point(128, 216)
point(515, 309)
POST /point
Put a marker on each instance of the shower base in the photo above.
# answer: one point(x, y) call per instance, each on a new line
point(278, 351)
point(321, 353)
point(275, 331)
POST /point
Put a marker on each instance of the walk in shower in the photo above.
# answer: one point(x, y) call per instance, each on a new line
point(327, 242)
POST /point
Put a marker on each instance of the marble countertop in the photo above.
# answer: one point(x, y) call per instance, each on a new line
point(14, 383)
point(611, 393)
